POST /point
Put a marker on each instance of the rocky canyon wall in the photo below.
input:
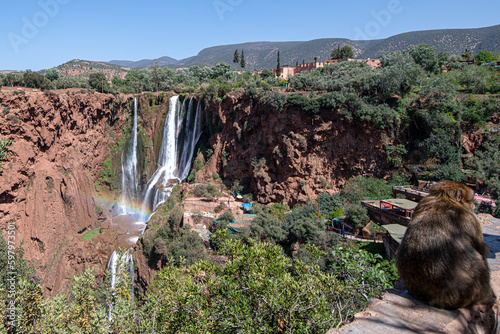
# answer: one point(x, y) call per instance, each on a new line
point(288, 156)
point(61, 144)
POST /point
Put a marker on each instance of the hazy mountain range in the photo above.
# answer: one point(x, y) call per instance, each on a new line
point(264, 54)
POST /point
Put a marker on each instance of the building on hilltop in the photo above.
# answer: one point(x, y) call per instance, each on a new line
point(289, 71)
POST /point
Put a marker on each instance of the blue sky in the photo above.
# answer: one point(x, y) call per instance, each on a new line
point(39, 34)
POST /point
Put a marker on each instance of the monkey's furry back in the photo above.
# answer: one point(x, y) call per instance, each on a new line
point(442, 257)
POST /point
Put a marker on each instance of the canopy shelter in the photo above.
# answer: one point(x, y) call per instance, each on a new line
point(393, 239)
point(402, 207)
point(396, 231)
point(390, 211)
point(247, 207)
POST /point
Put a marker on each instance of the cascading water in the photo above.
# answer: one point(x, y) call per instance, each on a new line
point(181, 132)
point(129, 167)
point(120, 267)
point(118, 261)
point(192, 135)
point(115, 265)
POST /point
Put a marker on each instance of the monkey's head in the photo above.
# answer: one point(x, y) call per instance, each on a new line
point(454, 191)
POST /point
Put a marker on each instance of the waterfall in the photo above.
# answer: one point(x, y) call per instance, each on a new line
point(120, 266)
point(192, 135)
point(116, 264)
point(129, 167)
point(181, 132)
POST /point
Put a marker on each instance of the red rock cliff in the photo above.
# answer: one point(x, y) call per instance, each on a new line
point(288, 155)
point(59, 142)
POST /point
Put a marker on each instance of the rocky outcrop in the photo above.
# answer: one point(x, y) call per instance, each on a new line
point(288, 156)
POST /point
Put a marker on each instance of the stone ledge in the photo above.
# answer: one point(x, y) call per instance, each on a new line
point(397, 312)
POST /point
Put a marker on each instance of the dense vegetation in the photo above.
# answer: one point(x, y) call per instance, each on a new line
point(258, 281)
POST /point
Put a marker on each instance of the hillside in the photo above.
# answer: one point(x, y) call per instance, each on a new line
point(264, 54)
point(163, 61)
point(453, 41)
point(76, 67)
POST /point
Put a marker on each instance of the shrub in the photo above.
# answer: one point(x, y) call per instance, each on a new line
point(266, 227)
point(357, 215)
point(220, 207)
point(186, 249)
point(275, 100)
point(306, 229)
point(306, 104)
point(3, 150)
point(278, 210)
point(330, 203)
point(208, 191)
point(237, 186)
point(366, 188)
point(230, 295)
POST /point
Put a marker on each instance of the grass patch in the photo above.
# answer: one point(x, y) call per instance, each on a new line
point(91, 234)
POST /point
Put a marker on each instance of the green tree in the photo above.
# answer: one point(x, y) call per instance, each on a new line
point(335, 54)
point(266, 74)
point(425, 56)
point(330, 204)
point(474, 78)
point(443, 57)
point(485, 56)
point(344, 52)
point(369, 272)
point(98, 82)
point(357, 215)
point(155, 75)
point(243, 61)
point(467, 55)
point(251, 290)
point(278, 67)
point(236, 58)
point(399, 75)
point(221, 69)
point(52, 74)
point(365, 188)
point(35, 80)
point(486, 163)
point(267, 228)
point(306, 229)
point(13, 79)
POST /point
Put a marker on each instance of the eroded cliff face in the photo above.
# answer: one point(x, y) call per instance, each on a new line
point(59, 142)
point(288, 156)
